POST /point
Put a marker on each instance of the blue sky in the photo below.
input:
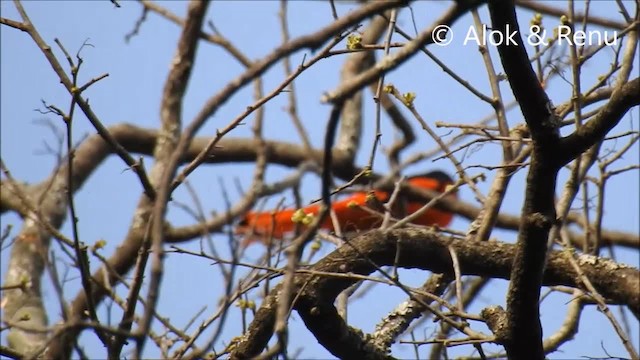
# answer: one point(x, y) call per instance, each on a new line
point(131, 94)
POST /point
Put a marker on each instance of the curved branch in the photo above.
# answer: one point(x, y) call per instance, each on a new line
point(426, 250)
point(90, 154)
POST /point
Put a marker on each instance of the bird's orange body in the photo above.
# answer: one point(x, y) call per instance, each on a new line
point(352, 213)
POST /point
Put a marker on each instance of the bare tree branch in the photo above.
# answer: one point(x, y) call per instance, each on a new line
point(426, 250)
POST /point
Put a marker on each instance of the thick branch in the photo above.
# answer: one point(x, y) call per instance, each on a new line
point(550, 153)
point(426, 250)
point(8, 199)
point(524, 334)
point(31, 246)
point(534, 102)
point(141, 141)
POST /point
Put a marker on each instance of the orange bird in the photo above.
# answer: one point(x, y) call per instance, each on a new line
point(354, 213)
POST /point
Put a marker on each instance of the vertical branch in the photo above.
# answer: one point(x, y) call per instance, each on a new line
point(329, 139)
point(499, 187)
point(23, 304)
point(523, 338)
point(350, 132)
point(294, 253)
point(376, 98)
point(286, 62)
point(524, 331)
point(80, 249)
point(167, 158)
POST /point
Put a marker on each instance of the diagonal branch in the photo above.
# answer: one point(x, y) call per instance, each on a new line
point(621, 101)
point(347, 89)
point(84, 104)
point(579, 17)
